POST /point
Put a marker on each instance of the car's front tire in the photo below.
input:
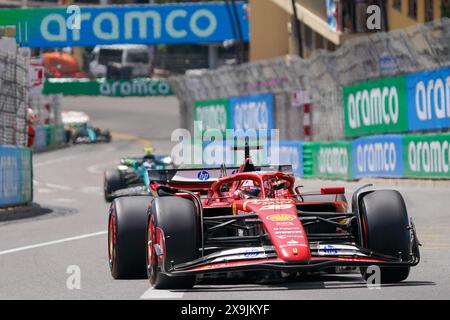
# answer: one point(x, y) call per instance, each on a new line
point(386, 231)
point(172, 225)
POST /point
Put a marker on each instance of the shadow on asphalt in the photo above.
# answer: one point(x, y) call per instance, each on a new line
point(314, 282)
point(34, 212)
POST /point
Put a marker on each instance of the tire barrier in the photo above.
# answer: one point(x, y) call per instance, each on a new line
point(16, 175)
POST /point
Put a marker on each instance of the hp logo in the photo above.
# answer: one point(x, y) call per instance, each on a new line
point(203, 175)
point(251, 253)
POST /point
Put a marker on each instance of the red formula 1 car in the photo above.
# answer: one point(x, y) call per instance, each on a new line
point(254, 221)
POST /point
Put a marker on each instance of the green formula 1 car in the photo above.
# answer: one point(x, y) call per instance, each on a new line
point(129, 176)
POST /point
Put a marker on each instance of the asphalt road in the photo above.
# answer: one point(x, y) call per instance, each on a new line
point(37, 253)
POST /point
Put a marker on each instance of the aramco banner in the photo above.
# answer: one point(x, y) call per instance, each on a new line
point(139, 87)
point(428, 99)
point(378, 156)
point(377, 106)
point(427, 155)
point(142, 24)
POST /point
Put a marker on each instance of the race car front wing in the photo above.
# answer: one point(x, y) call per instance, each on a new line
point(264, 258)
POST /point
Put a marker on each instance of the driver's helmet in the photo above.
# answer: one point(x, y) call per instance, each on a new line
point(279, 185)
point(249, 189)
point(251, 192)
point(148, 151)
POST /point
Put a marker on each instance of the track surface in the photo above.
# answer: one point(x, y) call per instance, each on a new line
point(36, 253)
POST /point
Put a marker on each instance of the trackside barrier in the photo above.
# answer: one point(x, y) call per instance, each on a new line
point(410, 102)
point(240, 113)
point(328, 160)
point(40, 139)
point(378, 156)
point(55, 135)
point(424, 156)
point(291, 152)
point(427, 156)
point(48, 136)
point(382, 60)
point(284, 153)
point(16, 175)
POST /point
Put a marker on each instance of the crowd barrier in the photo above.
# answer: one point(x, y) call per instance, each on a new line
point(48, 136)
point(16, 175)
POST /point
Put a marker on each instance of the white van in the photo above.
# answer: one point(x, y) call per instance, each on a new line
point(137, 57)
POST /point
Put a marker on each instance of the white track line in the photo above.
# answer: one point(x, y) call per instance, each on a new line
point(49, 243)
point(97, 168)
point(161, 294)
point(52, 161)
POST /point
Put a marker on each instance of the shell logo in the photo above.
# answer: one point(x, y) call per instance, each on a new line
point(281, 217)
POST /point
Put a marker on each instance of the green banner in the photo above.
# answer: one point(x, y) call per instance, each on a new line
point(331, 160)
point(27, 175)
point(378, 106)
point(139, 87)
point(214, 114)
point(426, 155)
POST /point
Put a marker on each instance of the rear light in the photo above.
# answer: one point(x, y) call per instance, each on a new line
point(333, 190)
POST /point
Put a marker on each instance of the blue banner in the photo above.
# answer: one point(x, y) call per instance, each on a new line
point(291, 153)
point(428, 99)
point(252, 112)
point(10, 176)
point(40, 139)
point(134, 24)
point(378, 156)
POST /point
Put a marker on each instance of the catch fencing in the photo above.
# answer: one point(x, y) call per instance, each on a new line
point(13, 93)
point(16, 171)
point(319, 80)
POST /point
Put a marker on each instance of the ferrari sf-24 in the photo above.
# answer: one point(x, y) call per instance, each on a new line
point(254, 220)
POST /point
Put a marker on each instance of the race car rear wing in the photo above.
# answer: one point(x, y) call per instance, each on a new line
point(202, 175)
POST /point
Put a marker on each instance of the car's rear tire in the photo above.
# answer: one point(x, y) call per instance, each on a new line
point(385, 227)
point(108, 136)
point(126, 237)
point(112, 182)
point(176, 218)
